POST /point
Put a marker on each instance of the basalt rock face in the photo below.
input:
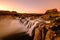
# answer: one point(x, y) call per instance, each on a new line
point(44, 31)
point(49, 31)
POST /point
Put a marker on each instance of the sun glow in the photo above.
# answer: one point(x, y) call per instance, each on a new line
point(4, 8)
point(8, 8)
point(29, 6)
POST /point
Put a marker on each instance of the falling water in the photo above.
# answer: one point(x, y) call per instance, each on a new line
point(9, 25)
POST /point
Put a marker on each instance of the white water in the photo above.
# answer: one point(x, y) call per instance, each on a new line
point(33, 24)
point(9, 25)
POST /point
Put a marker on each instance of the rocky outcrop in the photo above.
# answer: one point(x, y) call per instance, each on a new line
point(50, 30)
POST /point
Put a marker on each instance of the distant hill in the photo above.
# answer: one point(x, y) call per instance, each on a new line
point(46, 15)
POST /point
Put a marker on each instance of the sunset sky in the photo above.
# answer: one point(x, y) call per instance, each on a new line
point(29, 6)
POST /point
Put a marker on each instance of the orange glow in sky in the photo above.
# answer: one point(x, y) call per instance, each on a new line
point(29, 6)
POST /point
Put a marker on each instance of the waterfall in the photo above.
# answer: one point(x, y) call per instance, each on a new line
point(31, 24)
point(9, 25)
